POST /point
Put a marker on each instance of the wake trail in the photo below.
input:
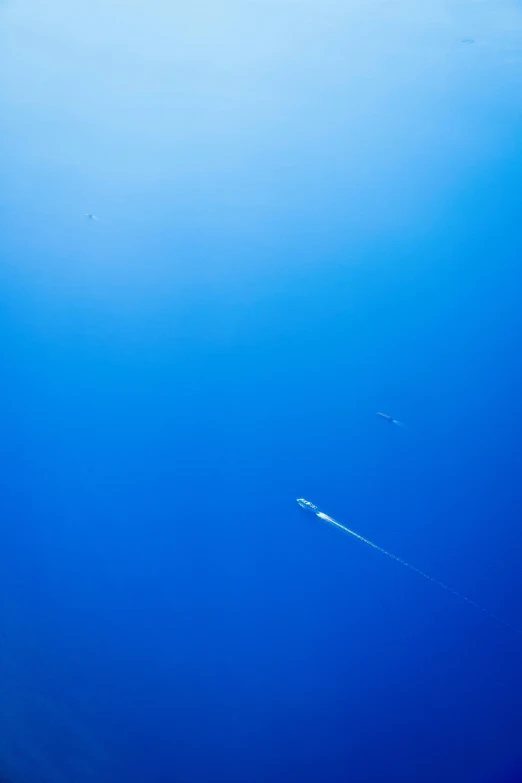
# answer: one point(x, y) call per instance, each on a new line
point(383, 551)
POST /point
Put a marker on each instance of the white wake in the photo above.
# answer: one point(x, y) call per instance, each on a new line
point(417, 570)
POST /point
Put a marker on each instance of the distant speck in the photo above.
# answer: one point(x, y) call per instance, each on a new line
point(468, 40)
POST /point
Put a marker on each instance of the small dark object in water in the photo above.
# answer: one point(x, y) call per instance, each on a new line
point(389, 419)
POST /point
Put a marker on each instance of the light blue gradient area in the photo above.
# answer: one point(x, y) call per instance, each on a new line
point(309, 212)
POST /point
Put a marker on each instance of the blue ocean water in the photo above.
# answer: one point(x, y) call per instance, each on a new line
point(307, 213)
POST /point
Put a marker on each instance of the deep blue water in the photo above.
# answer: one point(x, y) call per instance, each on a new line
point(308, 213)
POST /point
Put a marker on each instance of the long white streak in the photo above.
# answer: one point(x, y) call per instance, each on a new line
point(417, 570)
